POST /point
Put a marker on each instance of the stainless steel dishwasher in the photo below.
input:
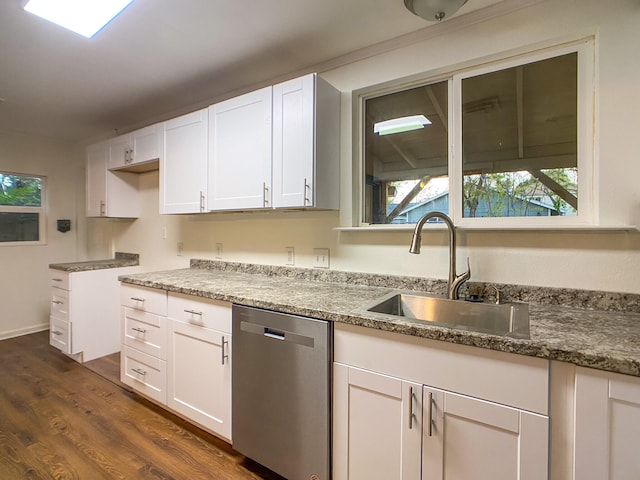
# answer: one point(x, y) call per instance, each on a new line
point(281, 392)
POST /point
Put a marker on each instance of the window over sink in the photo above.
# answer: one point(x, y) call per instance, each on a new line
point(507, 143)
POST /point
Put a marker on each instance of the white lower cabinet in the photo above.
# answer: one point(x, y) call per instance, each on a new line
point(200, 361)
point(607, 426)
point(143, 358)
point(378, 422)
point(389, 422)
point(83, 320)
point(177, 352)
point(200, 376)
point(466, 438)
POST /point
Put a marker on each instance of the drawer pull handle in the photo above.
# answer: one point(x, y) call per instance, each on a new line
point(224, 342)
point(139, 330)
point(193, 312)
point(56, 332)
point(57, 302)
point(56, 279)
point(137, 299)
point(139, 371)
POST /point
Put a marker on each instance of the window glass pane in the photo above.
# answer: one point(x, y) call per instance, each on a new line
point(519, 140)
point(19, 227)
point(17, 190)
point(406, 154)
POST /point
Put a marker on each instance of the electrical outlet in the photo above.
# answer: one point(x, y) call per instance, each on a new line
point(218, 250)
point(291, 259)
point(321, 257)
point(180, 248)
point(164, 233)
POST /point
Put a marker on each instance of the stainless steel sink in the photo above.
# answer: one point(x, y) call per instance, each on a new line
point(508, 319)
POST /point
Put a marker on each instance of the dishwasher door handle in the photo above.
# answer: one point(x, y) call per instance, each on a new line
point(282, 335)
point(271, 333)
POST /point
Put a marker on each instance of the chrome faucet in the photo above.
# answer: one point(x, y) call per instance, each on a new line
point(455, 281)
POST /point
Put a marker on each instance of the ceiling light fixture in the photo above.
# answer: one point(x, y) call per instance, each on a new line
point(86, 17)
point(401, 124)
point(433, 10)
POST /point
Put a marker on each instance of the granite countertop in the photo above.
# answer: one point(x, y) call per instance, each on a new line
point(120, 260)
point(602, 339)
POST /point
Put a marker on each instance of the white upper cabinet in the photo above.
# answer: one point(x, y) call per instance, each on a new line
point(240, 152)
point(109, 194)
point(137, 151)
point(183, 165)
point(119, 152)
point(306, 131)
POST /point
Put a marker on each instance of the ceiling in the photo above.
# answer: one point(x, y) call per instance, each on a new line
point(160, 58)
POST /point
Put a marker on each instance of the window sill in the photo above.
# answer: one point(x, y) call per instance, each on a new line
point(481, 228)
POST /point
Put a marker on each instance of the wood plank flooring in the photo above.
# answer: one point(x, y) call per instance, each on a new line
point(60, 420)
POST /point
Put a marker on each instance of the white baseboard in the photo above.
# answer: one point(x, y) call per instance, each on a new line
point(23, 331)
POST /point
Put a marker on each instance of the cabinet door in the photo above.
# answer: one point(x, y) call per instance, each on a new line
point(183, 166)
point(146, 144)
point(607, 426)
point(377, 426)
point(109, 194)
point(293, 142)
point(200, 376)
point(119, 151)
point(467, 438)
point(97, 158)
point(240, 152)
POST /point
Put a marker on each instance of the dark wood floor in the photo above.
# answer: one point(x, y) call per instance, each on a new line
point(60, 420)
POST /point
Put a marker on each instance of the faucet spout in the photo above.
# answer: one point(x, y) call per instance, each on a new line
point(455, 281)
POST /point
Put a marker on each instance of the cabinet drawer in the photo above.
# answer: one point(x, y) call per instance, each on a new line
point(144, 373)
point(200, 311)
point(60, 304)
point(60, 334)
point(144, 299)
point(145, 331)
point(60, 279)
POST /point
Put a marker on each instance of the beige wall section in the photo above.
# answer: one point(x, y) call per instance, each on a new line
point(24, 285)
point(587, 260)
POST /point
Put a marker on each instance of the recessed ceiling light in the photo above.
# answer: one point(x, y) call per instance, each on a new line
point(401, 124)
point(85, 17)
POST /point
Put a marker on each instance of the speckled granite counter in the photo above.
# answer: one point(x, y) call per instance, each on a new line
point(603, 339)
point(120, 260)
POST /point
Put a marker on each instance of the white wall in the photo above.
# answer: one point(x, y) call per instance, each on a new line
point(587, 260)
point(24, 284)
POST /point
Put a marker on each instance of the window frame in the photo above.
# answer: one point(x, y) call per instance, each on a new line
point(586, 137)
point(41, 211)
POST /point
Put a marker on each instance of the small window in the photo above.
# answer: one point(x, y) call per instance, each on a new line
point(22, 216)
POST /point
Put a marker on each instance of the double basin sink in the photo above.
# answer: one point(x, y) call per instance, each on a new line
point(506, 319)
